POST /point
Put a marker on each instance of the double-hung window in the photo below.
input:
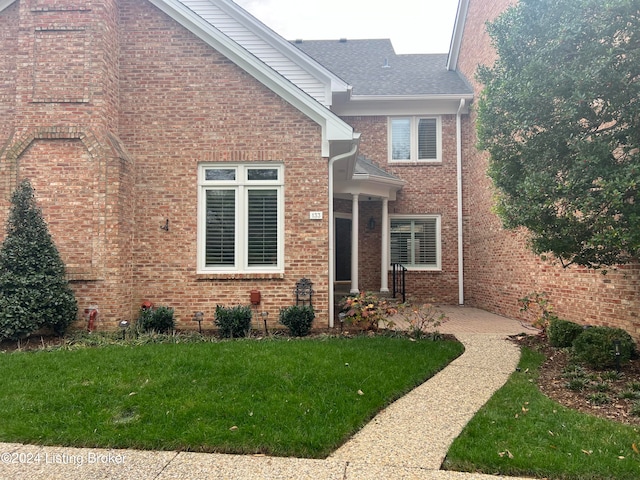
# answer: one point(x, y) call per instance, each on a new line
point(415, 139)
point(415, 241)
point(240, 218)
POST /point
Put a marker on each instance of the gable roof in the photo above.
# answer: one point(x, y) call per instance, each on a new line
point(372, 67)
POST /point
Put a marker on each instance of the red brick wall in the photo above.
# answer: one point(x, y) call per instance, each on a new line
point(498, 268)
point(429, 189)
point(150, 102)
point(183, 103)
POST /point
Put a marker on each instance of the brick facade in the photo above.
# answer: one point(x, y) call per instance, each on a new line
point(114, 152)
point(430, 189)
point(498, 268)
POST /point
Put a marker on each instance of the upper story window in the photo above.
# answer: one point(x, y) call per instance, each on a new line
point(415, 139)
point(415, 241)
point(240, 221)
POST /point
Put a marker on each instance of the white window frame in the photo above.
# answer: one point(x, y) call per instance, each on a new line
point(241, 185)
point(418, 218)
point(413, 135)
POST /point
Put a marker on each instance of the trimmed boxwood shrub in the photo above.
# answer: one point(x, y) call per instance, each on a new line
point(233, 322)
point(562, 333)
point(157, 320)
point(595, 347)
point(298, 319)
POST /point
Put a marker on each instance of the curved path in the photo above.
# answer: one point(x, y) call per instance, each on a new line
point(407, 440)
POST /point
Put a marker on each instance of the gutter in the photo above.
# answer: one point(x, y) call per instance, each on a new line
point(332, 253)
point(459, 192)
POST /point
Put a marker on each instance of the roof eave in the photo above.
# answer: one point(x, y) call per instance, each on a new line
point(284, 46)
point(456, 36)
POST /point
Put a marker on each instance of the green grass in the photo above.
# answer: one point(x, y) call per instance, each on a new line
point(302, 397)
point(522, 432)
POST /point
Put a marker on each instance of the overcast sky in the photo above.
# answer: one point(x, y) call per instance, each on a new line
point(414, 26)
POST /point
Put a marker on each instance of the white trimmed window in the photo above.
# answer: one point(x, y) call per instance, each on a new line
point(415, 139)
point(240, 220)
point(415, 241)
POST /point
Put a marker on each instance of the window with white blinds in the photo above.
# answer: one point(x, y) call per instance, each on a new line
point(415, 242)
point(240, 222)
point(415, 139)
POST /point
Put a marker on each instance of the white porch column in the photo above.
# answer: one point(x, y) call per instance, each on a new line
point(354, 244)
point(384, 263)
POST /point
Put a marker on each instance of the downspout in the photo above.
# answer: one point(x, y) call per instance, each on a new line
point(332, 263)
point(459, 191)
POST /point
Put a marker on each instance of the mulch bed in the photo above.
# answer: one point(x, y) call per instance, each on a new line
point(553, 383)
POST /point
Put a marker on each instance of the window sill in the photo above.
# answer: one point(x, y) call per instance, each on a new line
point(214, 276)
point(414, 163)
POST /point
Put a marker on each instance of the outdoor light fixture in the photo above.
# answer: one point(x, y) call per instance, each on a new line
point(372, 223)
point(264, 318)
point(123, 326)
point(198, 317)
point(616, 344)
point(341, 316)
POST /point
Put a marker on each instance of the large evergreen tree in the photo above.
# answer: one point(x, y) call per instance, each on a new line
point(560, 117)
point(33, 289)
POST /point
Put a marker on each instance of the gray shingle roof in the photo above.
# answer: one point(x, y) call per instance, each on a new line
point(365, 166)
point(373, 68)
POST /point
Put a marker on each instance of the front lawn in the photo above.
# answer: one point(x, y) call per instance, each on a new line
point(297, 397)
point(522, 432)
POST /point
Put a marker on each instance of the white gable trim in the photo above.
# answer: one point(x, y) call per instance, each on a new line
point(333, 128)
point(5, 3)
point(456, 37)
point(278, 44)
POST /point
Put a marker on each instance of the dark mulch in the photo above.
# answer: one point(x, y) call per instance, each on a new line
point(553, 382)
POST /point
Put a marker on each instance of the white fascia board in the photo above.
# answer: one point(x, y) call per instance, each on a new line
point(456, 36)
point(5, 3)
point(283, 46)
point(333, 128)
point(402, 105)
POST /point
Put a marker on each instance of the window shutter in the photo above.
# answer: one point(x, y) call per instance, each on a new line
point(262, 227)
point(400, 242)
point(427, 139)
point(425, 251)
point(220, 228)
point(414, 242)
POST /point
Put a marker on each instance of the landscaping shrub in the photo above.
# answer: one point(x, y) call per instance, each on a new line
point(562, 333)
point(595, 347)
point(366, 310)
point(34, 291)
point(158, 320)
point(233, 322)
point(298, 319)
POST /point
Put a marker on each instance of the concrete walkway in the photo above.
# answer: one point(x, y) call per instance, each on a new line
point(408, 440)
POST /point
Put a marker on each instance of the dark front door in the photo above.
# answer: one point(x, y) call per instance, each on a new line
point(343, 249)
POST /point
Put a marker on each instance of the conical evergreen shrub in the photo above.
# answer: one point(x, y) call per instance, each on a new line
point(34, 291)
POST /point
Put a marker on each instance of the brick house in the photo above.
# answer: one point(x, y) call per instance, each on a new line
point(185, 154)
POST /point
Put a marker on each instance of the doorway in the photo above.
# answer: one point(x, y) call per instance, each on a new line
point(343, 249)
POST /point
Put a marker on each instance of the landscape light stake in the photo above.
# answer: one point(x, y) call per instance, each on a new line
point(198, 317)
point(616, 344)
point(264, 318)
point(123, 326)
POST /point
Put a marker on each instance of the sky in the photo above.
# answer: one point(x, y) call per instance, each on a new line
point(414, 26)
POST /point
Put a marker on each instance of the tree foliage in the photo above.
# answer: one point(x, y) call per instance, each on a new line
point(560, 117)
point(33, 289)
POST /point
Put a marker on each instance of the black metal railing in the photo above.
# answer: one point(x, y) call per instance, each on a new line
point(399, 281)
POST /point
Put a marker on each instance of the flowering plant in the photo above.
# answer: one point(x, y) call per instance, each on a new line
point(367, 310)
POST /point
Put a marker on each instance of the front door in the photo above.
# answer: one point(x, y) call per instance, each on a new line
point(343, 249)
